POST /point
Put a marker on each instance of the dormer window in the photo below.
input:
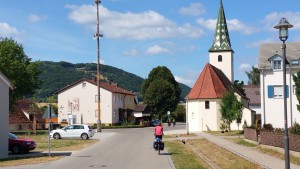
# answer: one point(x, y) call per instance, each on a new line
point(277, 64)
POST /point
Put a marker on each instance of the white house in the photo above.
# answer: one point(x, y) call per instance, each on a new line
point(5, 86)
point(79, 100)
point(271, 80)
point(203, 101)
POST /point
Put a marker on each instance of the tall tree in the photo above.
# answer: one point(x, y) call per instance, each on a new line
point(240, 86)
point(253, 76)
point(231, 108)
point(160, 91)
point(34, 110)
point(18, 68)
point(179, 113)
point(296, 79)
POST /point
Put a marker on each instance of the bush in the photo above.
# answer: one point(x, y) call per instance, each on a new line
point(268, 127)
point(295, 129)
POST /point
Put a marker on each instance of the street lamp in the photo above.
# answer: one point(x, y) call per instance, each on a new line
point(283, 27)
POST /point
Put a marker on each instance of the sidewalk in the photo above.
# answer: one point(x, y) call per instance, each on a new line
point(248, 153)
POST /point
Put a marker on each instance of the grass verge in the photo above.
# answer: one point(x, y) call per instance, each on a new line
point(185, 158)
point(42, 145)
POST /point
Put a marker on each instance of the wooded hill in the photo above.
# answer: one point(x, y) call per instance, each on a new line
point(56, 75)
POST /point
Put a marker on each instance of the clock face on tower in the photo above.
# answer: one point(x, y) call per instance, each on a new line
point(73, 104)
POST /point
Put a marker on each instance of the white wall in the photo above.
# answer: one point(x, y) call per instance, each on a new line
point(226, 65)
point(272, 110)
point(87, 104)
point(4, 112)
point(201, 119)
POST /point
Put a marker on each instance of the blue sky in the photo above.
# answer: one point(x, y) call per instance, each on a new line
point(142, 34)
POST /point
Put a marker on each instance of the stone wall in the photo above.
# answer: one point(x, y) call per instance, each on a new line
point(276, 139)
point(250, 134)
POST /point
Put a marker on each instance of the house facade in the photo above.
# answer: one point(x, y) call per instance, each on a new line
point(204, 99)
point(5, 86)
point(79, 101)
point(270, 65)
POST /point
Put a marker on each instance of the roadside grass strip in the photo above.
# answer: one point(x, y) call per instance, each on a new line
point(27, 160)
point(209, 154)
point(183, 157)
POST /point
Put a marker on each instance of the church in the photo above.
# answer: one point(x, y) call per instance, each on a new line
point(217, 77)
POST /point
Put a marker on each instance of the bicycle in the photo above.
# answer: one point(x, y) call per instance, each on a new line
point(158, 145)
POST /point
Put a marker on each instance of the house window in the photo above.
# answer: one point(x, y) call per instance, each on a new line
point(277, 64)
point(83, 85)
point(96, 98)
point(277, 91)
point(206, 104)
point(220, 58)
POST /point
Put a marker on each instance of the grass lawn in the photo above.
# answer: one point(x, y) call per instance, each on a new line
point(231, 133)
point(42, 145)
point(185, 158)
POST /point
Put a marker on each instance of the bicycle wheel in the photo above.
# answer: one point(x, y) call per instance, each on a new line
point(158, 147)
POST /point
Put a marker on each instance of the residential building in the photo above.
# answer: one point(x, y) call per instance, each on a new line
point(5, 86)
point(204, 99)
point(270, 64)
point(78, 102)
point(21, 117)
point(253, 94)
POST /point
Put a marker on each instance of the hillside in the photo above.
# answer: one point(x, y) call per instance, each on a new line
point(56, 75)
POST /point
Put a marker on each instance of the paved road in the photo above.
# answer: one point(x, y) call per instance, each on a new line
point(117, 149)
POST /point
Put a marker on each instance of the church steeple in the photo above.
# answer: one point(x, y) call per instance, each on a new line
point(221, 37)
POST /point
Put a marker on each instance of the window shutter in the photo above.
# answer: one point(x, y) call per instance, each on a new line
point(287, 91)
point(270, 91)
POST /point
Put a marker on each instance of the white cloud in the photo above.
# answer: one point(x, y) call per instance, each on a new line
point(132, 52)
point(153, 50)
point(188, 78)
point(272, 19)
point(145, 25)
point(245, 67)
point(194, 9)
point(8, 31)
point(233, 25)
point(35, 18)
point(257, 44)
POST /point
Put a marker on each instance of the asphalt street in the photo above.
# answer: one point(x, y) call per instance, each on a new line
point(117, 149)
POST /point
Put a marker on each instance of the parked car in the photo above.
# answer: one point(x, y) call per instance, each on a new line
point(20, 145)
point(155, 122)
point(73, 131)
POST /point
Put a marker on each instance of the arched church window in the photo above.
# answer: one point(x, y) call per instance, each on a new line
point(220, 58)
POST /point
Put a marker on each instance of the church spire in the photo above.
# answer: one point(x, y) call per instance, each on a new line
point(221, 37)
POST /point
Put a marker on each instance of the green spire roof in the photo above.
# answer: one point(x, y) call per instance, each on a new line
point(221, 37)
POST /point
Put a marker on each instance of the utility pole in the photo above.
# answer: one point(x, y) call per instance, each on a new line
point(98, 35)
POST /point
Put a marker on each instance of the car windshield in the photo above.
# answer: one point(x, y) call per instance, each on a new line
point(12, 136)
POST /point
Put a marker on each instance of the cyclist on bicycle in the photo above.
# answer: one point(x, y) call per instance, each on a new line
point(159, 131)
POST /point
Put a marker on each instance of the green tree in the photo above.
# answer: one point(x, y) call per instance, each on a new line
point(253, 76)
point(296, 79)
point(19, 69)
point(161, 91)
point(179, 113)
point(240, 86)
point(231, 108)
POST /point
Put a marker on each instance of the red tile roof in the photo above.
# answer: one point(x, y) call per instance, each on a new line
point(211, 84)
point(110, 87)
point(253, 93)
point(17, 115)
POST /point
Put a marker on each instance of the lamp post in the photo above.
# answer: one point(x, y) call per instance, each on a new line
point(98, 35)
point(283, 27)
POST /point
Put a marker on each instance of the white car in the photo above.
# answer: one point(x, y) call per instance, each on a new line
point(73, 131)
